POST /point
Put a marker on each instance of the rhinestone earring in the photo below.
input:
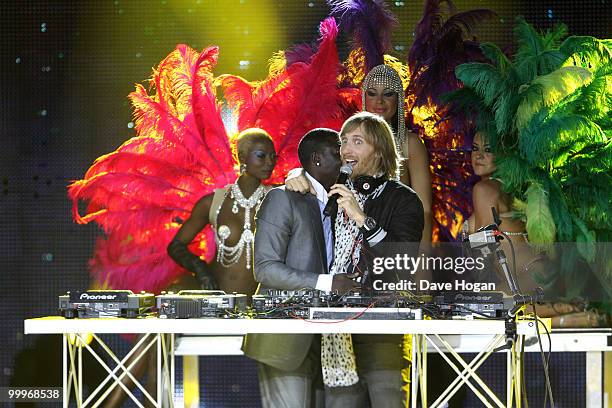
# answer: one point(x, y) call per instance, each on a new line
point(243, 168)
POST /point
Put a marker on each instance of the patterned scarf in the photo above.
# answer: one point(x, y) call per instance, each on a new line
point(338, 363)
point(347, 247)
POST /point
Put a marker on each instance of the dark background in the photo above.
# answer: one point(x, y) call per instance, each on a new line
point(65, 71)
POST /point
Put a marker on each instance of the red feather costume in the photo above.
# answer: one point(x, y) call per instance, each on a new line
point(182, 152)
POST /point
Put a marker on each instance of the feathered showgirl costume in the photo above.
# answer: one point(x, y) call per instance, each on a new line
point(442, 41)
point(547, 112)
point(140, 193)
point(438, 47)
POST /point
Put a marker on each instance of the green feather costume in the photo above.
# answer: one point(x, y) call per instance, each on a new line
point(547, 112)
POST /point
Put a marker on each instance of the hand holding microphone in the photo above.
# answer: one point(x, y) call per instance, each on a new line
point(332, 204)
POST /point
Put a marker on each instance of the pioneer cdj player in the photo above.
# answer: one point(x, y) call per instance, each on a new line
point(473, 304)
point(105, 303)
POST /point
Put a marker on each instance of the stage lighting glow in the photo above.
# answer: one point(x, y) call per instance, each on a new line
point(234, 29)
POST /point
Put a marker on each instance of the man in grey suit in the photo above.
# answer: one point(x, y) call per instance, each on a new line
point(293, 250)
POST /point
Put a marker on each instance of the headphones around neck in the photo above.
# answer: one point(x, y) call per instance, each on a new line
point(366, 184)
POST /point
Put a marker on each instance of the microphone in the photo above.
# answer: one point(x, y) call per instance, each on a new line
point(332, 204)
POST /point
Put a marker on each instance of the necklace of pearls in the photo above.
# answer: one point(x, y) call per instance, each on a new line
point(228, 255)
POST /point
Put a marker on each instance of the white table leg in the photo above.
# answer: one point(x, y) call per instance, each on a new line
point(191, 381)
point(415, 370)
point(469, 371)
point(509, 394)
point(423, 371)
point(172, 367)
point(113, 376)
point(80, 388)
point(160, 377)
point(66, 394)
point(594, 373)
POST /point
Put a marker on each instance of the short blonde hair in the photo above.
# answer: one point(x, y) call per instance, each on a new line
point(378, 133)
point(246, 138)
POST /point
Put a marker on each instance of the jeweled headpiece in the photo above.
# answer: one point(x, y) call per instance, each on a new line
point(387, 77)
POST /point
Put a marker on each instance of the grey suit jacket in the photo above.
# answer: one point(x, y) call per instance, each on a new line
point(289, 254)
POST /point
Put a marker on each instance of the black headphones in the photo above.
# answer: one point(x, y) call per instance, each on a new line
point(366, 184)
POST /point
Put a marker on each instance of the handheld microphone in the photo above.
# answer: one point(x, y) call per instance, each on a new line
point(332, 204)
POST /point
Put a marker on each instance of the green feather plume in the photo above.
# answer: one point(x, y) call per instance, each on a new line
point(546, 90)
point(541, 227)
point(547, 111)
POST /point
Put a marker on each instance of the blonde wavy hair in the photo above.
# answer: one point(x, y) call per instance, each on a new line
point(378, 133)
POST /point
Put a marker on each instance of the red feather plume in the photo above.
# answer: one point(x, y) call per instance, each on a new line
point(140, 193)
point(290, 103)
point(137, 192)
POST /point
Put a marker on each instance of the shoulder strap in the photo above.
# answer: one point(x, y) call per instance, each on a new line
point(216, 204)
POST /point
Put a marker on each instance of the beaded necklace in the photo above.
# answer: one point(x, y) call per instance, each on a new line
point(228, 255)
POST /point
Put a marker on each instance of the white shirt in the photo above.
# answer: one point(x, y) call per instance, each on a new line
point(324, 280)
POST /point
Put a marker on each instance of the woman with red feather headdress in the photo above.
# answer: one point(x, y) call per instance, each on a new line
point(231, 212)
point(140, 193)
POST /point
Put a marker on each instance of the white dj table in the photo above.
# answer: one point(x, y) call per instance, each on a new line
point(448, 337)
